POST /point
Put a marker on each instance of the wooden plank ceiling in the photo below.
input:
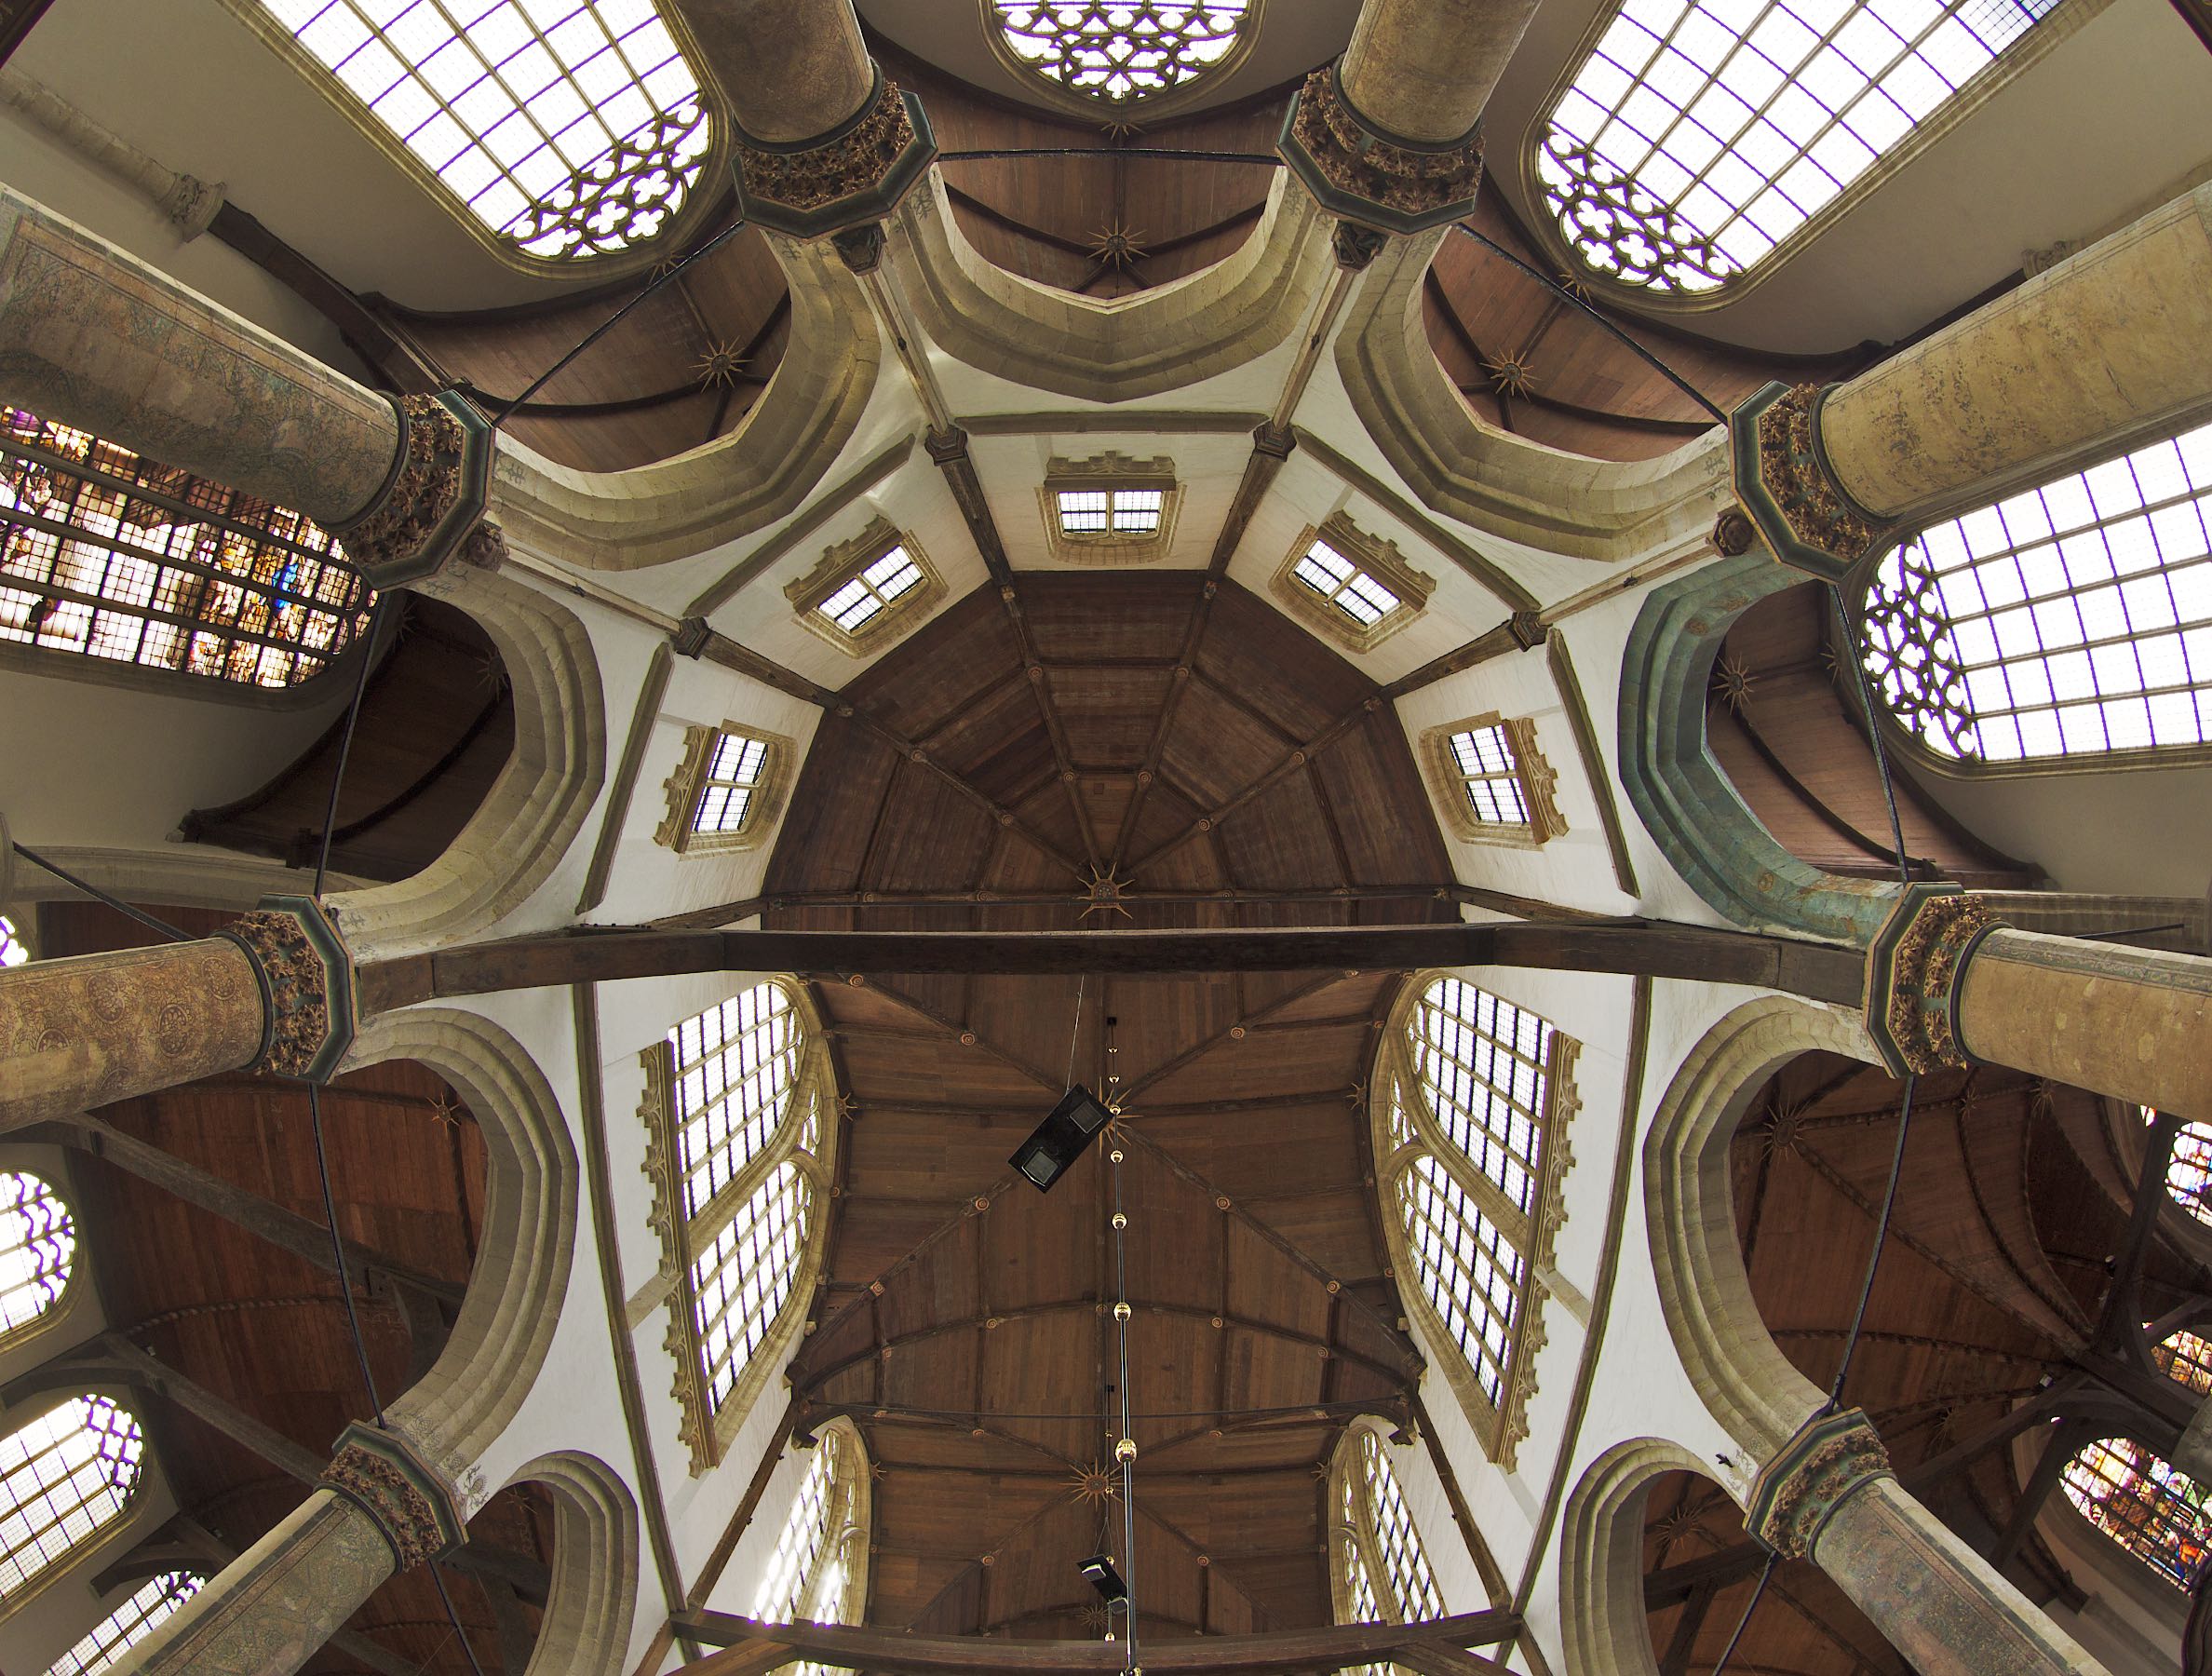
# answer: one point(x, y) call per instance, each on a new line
point(967, 1322)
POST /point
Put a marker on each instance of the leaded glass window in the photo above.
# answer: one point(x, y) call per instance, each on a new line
point(1354, 588)
point(869, 593)
point(1117, 51)
point(1383, 1571)
point(106, 553)
point(1343, 585)
point(2187, 1358)
point(130, 1623)
point(1473, 1096)
point(64, 1475)
point(1695, 138)
point(1492, 782)
point(2189, 1172)
point(568, 128)
point(1110, 511)
point(2148, 1507)
point(2072, 620)
point(14, 951)
point(738, 1156)
point(819, 1571)
point(37, 1249)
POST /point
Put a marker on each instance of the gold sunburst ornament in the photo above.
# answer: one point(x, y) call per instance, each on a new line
point(1103, 893)
point(1732, 685)
point(719, 368)
point(1510, 374)
point(1116, 245)
point(1092, 1485)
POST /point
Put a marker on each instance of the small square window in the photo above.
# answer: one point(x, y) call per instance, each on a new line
point(1492, 783)
point(1352, 586)
point(1111, 510)
point(865, 593)
point(727, 790)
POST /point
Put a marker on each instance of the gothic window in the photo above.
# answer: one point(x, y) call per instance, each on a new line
point(819, 1569)
point(128, 1624)
point(37, 1250)
point(2073, 619)
point(568, 129)
point(14, 951)
point(1473, 1095)
point(2189, 1172)
point(735, 1113)
point(727, 789)
point(1119, 51)
point(1382, 1573)
point(867, 591)
point(1691, 140)
point(1354, 587)
point(63, 1475)
point(105, 553)
point(1109, 510)
point(1492, 783)
point(2187, 1358)
point(2150, 1508)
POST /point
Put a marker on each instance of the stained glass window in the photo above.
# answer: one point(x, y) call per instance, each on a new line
point(2071, 619)
point(14, 951)
point(105, 553)
point(2187, 1358)
point(1121, 50)
point(2150, 1508)
point(128, 1625)
point(63, 1476)
point(37, 1249)
point(2189, 1172)
point(572, 127)
point(1694, 138)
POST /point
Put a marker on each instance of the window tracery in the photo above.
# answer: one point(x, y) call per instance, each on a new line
point(1474, 1099)
point(737, 1148)
point(1693, 140)
point(1354, 587)
point(2189, 1172)
point(1382, 1571)
point(2071, 619)
point(1120, 51)
point(64, 1475)
point(727, 789)
point(818, 1571)
point(1492, 782)
point(130, 1623)
point(568, 128)
point(2145, 1503)
point(37, 1249)
point(106, 553)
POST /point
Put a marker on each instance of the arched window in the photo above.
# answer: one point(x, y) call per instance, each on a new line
point(1473, 1099)
point(63, 1476)
point(1691, 140)
point(1381, 1572)
point(566, 128)
point(2189, 1172)
point(1120, 51)
point(2187, 1358)
point(738, 1150)
point(106, 553)
point(2150, 1509)
point(37, 1249)
point(2072, 620)
point(819, 1569)
point(128, 1624)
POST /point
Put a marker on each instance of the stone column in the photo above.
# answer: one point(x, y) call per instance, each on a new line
point(92, 337)
point(825, 145)
point(381, 1511)
point(1948, 984)
point(1829, 1496)
point(274, 992)
point(2111, 347)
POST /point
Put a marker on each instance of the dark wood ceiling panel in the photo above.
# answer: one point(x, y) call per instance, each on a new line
point(1283, 838)
point(1217, 747)
point(1253, 651)
point(831, 817)
point(908, 854)
point(1086, 617)
point(1111, 710)
point(1367, 775)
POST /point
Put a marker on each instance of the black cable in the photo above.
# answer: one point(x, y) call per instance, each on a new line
point(1269, 158)
point(353, 717)
point(97, 894)
point(1881, 1227)
point(1127, 1448)
point(352, 1317)
point(1750, 1606)
point(1549, 283)
point(438, 1576)
point(1858, 668)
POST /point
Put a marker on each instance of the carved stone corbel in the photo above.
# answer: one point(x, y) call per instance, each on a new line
point(306, 978)
point(1370, 178)
point(1831, 1458)
point(1789, 492)
point(417, 1511)
point(1915, 966)
point(850, 177)
point(431, 508)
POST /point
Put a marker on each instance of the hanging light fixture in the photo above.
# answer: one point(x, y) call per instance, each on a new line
point(1070, 1127)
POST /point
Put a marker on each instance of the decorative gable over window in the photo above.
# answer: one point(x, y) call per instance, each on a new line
point(1111, 510)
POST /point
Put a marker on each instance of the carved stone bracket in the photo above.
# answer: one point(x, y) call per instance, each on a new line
point(852, 177)
point(1363, 174)
point(1915, 966)
point(1788, 491)
point(416, 1509)
point(1796, 1494)
point(307, 976)
point(431, 506)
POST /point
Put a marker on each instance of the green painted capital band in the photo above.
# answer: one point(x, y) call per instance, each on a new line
point(411, 1502)
point(307, 976)
point(1794, 1495)
point(1784, 484)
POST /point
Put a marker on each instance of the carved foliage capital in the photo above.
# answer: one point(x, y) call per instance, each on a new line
point(1789, 492)
point(416, 1509)
point(1371, 179)
point(1798, 1491)
point(308, 983)
point(850, 177)
point(431, 505)
point(1914, 966)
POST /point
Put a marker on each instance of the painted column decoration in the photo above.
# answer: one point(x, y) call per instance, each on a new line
point(1794, 1495)
point(414, 1506)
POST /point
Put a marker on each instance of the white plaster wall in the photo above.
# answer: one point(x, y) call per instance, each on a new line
point(2126, 830)
point(1207, 465)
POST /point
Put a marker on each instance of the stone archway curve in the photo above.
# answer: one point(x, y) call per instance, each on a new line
point(1604, 1623)
point(586, 1630)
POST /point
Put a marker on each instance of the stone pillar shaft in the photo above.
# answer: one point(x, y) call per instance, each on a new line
point(1423, 69)
point(93, 338)
point(2112, 342)
point(792, 70)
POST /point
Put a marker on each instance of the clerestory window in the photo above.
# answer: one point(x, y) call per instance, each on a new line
point(2144, 1503)
point(1111, 510)
point(2072, 620)
point(1492, 783)
point(866, 592)
point(1353, 586)
point(819, 1569)
point(130, 1623)
point(1382, 1571)
point(1473, 1095)
point(1691, 141)
point(65, 1475)
point(738, 1102)
point(107, 554)
point(1118, 52)
point(727, 788)
point(567, 128)
point(37, 1250)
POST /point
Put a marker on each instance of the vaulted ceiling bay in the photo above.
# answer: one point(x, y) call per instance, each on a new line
point(1160, 730)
